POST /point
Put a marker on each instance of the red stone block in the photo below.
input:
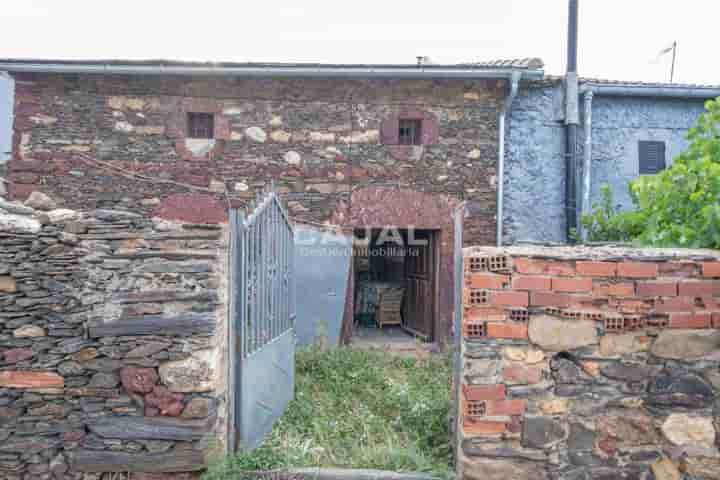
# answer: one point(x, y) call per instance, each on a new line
point(637, 270)
point(507, 330)
point(138, 380)
point(597, 269)
point(572, 285)
point(484, 392)
point(689, 320)
point(17, 379)
point(657, 289)
point(532, 283)
point(529, 266)
point(522, 375)
point(499, 408)
point(509, 299)
point(699, 288)
point(547, 299)
point(15, 355)
point(711, 269)
point(487, 281)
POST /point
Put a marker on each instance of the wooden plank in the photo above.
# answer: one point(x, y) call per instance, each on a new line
point(149, 428)
point(182, 324)
point(182, 460)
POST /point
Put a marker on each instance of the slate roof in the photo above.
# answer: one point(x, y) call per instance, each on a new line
point(521, 63)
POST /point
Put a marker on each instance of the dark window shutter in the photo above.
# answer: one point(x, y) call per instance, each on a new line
point(652, 157)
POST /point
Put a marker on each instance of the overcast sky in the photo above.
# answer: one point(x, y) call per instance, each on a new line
point(619, 39)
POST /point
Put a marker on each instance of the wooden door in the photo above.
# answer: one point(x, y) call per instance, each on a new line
point(419, 307)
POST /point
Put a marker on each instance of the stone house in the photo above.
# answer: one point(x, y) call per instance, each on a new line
point(631, 129)
point(355, 146)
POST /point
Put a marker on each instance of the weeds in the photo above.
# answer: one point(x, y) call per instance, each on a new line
point(358, 409)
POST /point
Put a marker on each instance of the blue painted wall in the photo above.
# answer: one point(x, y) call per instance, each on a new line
point(6, 102)
point(535, 169)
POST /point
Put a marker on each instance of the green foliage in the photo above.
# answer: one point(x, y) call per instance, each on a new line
point(358, 409)
point(678, 207)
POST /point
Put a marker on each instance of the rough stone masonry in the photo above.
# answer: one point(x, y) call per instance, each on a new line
point(108, 348)
point(590, 363)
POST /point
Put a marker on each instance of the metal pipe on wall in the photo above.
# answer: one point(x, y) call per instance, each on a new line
point(572, 121)
point(587, 157)
point(507, 104)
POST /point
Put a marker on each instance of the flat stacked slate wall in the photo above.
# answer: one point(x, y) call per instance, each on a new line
point(109, 343)
point(581, 363)
point(96, 140)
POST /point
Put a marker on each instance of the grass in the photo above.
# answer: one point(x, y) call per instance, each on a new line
point(358, 409)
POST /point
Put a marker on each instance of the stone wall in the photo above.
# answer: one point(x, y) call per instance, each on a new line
point(583, 364)
point(102, 141)
point(109, 342)
point(535, 165)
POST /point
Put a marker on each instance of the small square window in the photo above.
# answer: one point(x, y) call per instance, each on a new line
point(200, 125)
point(652, 157)
point(409, 132)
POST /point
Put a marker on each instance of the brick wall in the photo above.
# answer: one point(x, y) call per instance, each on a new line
point(96, 141)
point(583, 363)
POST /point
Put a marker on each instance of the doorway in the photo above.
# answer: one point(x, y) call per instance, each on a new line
point(395, 286)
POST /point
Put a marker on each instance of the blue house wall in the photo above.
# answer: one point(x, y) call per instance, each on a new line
point(535, 166)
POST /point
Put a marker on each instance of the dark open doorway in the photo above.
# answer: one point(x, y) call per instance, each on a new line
point(396, 285)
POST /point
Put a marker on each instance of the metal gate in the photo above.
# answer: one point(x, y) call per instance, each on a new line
point(261, 326)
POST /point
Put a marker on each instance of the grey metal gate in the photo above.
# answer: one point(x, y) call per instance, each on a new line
point(262, 306)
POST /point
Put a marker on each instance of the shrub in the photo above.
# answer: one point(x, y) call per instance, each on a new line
point(678, 207)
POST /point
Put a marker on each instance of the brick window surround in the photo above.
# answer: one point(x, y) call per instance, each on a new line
point(390, 132)
point(178, 126)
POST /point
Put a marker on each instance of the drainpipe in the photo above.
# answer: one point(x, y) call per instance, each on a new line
point(572, 120)
point(587, 157)
point(514, 81)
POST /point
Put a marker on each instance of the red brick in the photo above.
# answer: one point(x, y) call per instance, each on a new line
point(657, 289)
point(499, 408)
point(678, 269)
point(487, 281)
point(507, 330)
point(483, 427)
point(546, 299)
point(690, 320)
point(509, 299)
point(572, 285)
point(484, 392)
point(597, 269)
point(522, 375)
point(678, 304)
point(711, 269)
point(543, 267)
point(533, 283)
point(485, 314)
point(699, 288)
point(716, 320)
point(637, 270)
point(624, 289)
point(710, 303)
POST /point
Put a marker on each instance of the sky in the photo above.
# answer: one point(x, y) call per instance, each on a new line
point(619, 39)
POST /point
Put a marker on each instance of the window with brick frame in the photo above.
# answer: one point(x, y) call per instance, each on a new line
point(410, 131)
point(200, 125)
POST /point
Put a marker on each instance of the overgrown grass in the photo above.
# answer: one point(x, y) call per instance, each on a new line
point(358, 409)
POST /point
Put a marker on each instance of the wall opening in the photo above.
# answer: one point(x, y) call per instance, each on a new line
point(395, 285)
